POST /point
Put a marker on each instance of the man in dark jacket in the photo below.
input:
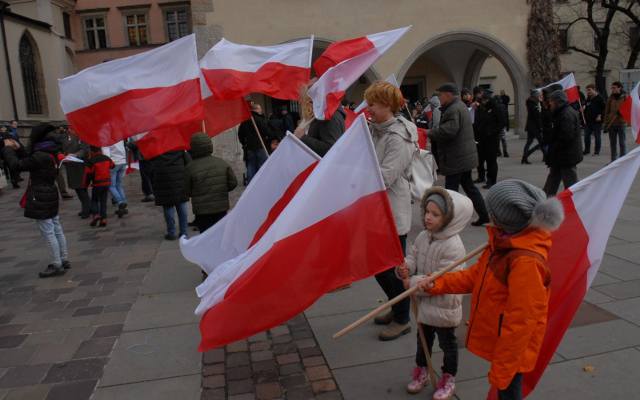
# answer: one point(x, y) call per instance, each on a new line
point(534, 125)
point(167, 177)
point(593, 114)
point(252, 145)
point(321, 135)
point(565, 146)
point(457, 154)
point(208, 181)
point(41, 197)
point(488, 125)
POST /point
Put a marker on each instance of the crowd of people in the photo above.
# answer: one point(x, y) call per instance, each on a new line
point(466, 130)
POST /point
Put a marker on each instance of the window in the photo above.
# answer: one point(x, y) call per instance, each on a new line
point(563, 38)
point(136, 29)
point(66, 20)
point(95, 33)
point(177, 21)
point(634, 35)
point(30, 78)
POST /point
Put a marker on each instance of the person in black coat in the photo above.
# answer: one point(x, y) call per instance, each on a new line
point(168, 181)
point(594, 107)
point(488, 124)
point(565, 144)
point(41, 197)
point(254, 148)
point(534, 125)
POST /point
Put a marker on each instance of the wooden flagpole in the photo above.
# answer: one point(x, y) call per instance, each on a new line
point(255, 127)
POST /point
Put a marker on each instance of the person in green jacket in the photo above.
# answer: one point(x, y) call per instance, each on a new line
point(208, 181)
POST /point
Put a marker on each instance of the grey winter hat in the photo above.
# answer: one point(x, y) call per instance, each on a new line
point(439, 201)
point(559, 96)
point(514, 205)
point(449, 87)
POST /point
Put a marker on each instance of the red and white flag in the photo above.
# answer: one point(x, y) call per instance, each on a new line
point(222, 115)
point(111, 101)
point(578, 248)
point(362, 52)
point(337, 229)
point(630, 111)
point(264, 199)
point(363, 106)
point(235, 70)
point(569, 86)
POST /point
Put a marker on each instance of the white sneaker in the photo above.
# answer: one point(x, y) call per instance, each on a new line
point(419, 379)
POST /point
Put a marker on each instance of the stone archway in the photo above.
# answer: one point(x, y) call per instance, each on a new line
point(465, 64)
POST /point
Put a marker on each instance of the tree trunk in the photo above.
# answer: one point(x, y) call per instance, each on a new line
point(542, 43)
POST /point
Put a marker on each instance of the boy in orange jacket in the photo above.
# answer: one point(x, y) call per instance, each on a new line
point(510, 283)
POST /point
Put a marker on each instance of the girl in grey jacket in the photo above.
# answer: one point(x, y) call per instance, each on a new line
point(446, 213)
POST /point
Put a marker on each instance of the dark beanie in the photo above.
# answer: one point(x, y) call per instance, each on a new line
point(449, 87)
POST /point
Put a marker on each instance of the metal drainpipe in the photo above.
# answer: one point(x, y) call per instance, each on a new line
point(4, 6)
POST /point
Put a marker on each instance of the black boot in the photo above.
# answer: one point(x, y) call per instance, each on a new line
point(66, 264)
point(51, 271)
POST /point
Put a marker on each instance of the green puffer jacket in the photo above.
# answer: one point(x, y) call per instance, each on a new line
point(208, 179)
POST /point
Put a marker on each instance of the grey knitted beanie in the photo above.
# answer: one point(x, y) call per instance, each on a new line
point(513, 204)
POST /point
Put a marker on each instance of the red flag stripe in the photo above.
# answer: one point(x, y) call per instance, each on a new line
point(340, 51)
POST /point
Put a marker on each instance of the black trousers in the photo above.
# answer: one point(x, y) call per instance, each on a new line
point(453, 182)
point(99, 201)
point(513, 391)
point(447, 341)
point(145, 179)
point(206, 221)
point(85, 200)
point(568, 176)
point(481, 163)
point(528, 150)
point(392, 286)
point(489, 149)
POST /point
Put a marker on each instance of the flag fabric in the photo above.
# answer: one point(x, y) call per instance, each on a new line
point(172, 138)
point(569, 86)
point(422, 138)
point(111, 101)
point(578, 249)
point(235, 70)
point(391, 79)
point(350, 117)
point(329, 89)
point(266, 196)
point(337, 229)
point(630, 111)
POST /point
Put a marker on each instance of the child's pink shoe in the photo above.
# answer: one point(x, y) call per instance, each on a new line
point(419, 379)
point(446, 387)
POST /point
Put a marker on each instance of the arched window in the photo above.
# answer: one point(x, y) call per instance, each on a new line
point(31, 79)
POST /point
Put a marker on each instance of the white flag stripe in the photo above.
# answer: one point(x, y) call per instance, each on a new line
point(348, 169)
point(155, 68)
point(391, 79)
point(246, 58)
point(635, 112)
point(384, 40)
point(609, 186)
point(567, 82)
point(232, 235)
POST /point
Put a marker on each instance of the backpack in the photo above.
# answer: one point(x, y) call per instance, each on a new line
point(421, 172)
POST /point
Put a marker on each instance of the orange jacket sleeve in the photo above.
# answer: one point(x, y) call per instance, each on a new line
point(526, 306)
point(459, 282)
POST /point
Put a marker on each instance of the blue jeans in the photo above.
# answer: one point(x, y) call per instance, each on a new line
point(182, 219)
point(116, 189)
point(254, 160)
point(52, 233)
point(617, 135)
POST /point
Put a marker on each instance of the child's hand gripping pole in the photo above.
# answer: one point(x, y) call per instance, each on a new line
point(408, 292)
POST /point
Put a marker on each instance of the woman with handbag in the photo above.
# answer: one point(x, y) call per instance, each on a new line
point(40, 201)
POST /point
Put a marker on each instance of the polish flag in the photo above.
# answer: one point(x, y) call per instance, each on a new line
point(569, 86)
point(330, 88)
point(222, 115)
point(337, 229)
point(264, 199)
point(578, 248)
point(235, 70)
point(172, 138)
point(630, 111)
point(111, 101)
point(363, 106)
point(422, 138)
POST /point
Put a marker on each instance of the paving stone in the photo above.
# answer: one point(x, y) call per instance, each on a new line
point(108, 330)
point(24, 375)
point(179, 388)
point(303, 334)
point(213, 394)
point(213, 356)
point(300, 393)
point(13, 329)
point(313, 361)
point(288, 358)
point(54, 354)
point(245, 396)
point(240, 387)
point(260, 337)
point(261, 356)
point(16, 356)
point(628, 309)
point(282, 339)
point(290, 369)
point(50, 338)
point(213, 382)
point(260, 346)
point(80, 312)
point(86, 369)
point(7, 342)
point(622, 290)
point(293, 381)
point(266, 375)
point(268, 391)
point(215, 369)
point(264, 366)
point(306, 343)
point(589, 314)
point(237, 346)
point(33, 392)
point(100, 347)
point(143, 265)
point(117, 307)
point(72, 391)
point(311, 351)
point(78, 303)
point(235, 374)
point(318, 373)
point(279, 330)
point(237, 359)
point(285, 348)
point(6, 318)
point(335, 395)
point(326, 385)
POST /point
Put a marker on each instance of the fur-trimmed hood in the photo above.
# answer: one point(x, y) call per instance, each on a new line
point(547, 215)
point(458, 215)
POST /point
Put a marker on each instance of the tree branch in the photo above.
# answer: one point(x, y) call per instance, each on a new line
point(585, 52)
point(626, 11)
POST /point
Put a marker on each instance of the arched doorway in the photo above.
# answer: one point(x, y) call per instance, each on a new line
point(459, 57)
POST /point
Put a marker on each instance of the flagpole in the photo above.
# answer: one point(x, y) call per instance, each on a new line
point(409, 292)
point(584, 120)
point(204, 127)
point(253, 121)
point(423, 341)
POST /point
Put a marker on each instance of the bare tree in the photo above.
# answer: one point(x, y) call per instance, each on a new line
point(542, 43)
point(631, 10)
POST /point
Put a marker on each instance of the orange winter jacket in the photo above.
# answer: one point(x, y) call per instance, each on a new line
point(510, 287)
